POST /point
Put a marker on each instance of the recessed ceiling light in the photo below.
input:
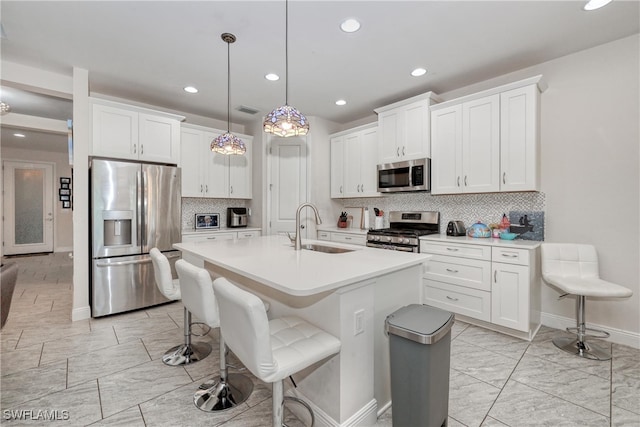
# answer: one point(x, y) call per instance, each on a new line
point(341, 102)
point(418, 72)
point(190, 89)
point(596, 4)
point(350, 25)
point(272, 77)
point(19, 135)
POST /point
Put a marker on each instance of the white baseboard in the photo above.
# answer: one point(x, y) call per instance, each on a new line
point(63, 249)
point(81, 313)
point(618, 336)
point(366, 416)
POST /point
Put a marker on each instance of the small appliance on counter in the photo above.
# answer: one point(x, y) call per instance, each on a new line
point(479, 230)
point(236, 217)
point(456, 228)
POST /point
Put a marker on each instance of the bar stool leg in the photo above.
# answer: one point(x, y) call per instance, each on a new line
point(230, 391)
point(188, 352)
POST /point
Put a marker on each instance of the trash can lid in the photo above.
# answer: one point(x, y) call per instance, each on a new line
point(420, 323)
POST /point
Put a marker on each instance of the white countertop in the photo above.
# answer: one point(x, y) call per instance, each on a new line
point(341, 230)
point(488, 241)
point(217, 230)
point(272, 261)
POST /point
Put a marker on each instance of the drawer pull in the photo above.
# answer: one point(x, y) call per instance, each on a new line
point(453, 249)
point(211, 238)
point(451, 270)
point(347, 238)
point(510, 256)
point(451, 298)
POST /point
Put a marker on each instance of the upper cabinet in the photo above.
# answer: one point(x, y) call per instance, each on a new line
point(354, 157)
point(209, 174)
point(487, 142)
point(404, 130)
point(127, 132)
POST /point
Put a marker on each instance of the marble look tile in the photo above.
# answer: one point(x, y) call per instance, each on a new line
point(20, 359)
point(89, 366)
point(117, 319)
point(9, 339)
point(454, 423)
point(490, 340)
point(174, 407)
point(625, 392)
point(175, 308)
point(472, 360)
point(522, 406)
point(260, 416)
point(492, 422)
point(145, 327)
point(33, 383)
point(158, 344)
point(81, 403)
point(131, 417)
point(566, 383)
point(543, 347)
point(469, 398)
point(626, 361)
point(623, 418)
point(36, 335)
point(77, 345)
point(138, 384)
point(457, 328)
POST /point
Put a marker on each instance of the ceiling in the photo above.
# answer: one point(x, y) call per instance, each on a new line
point(148, 51)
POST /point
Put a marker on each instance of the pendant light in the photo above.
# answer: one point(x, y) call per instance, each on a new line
point(228, 143)
point(4, 107)
point(286, 120)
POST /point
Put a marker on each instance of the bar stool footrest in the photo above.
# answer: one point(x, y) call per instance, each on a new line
point(581, 348)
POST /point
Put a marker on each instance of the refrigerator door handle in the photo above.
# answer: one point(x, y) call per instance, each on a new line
point(142, 238)
point(120, 263)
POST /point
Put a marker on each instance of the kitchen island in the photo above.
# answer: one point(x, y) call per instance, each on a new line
point(347, 294)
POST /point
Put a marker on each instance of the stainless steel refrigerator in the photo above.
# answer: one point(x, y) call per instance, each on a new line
point(134, 208)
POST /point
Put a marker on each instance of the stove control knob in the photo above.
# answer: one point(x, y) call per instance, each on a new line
point(405, 240)
point(389, 238)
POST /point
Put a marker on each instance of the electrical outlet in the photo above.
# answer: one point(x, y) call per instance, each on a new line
point(358, 322)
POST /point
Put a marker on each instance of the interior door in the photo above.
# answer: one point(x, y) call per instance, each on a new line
point(288, 184)
point(28, 207)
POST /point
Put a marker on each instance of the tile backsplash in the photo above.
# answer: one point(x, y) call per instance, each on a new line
point(469, 208)
point(191, 206)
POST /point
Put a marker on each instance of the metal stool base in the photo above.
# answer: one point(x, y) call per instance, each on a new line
point(186, 354)
point(224, 395)
point(581, 348)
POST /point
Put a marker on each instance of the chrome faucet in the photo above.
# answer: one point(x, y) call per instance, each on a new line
point(298, 239)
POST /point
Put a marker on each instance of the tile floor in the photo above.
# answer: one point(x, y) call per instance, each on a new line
point(108, 371)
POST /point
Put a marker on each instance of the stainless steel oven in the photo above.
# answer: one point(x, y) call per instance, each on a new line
point(405, 229)
point(410, 175)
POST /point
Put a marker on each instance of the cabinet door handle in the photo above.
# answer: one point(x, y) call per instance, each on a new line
point(201, 188)
point(341, 189)
point(458, 182)
point(206, 188)
point(398, 152)
point(403, 150)
point(504, 177)
point(232, 189)
point(453, 249)
point(495, 276)
point(451, 298)
point(362, 188)
point(135, 149)
point(451, 270)
point(141, 149)
point(465, 180)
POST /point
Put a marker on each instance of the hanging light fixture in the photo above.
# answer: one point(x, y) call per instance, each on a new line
point(228, 143)
point(286, 120)
point(4, 107)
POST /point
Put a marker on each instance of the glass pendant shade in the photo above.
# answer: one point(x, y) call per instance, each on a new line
point(228, 143)
point(4, 107)
point(286, 121)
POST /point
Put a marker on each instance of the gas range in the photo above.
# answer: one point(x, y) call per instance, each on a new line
point(405, 229)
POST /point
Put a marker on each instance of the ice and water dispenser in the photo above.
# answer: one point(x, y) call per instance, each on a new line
point(117, 228)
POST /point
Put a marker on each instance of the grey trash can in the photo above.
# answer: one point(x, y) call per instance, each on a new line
point(420, 347)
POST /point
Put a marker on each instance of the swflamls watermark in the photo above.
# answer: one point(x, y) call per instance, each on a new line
point(36, 414)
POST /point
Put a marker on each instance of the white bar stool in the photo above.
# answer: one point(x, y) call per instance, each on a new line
point(271, 350)
point(573, 269)
point(197, 294)
point(187, 353)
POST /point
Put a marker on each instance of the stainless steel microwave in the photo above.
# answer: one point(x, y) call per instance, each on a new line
point(410, 175)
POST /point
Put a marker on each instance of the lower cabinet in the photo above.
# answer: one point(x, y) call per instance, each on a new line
point(220, 235)
point(343, 237)
point(497, 285)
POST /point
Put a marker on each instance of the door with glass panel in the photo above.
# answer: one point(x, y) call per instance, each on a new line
point(28, 207)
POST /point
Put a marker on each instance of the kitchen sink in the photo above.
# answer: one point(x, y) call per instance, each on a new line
point(325, 249)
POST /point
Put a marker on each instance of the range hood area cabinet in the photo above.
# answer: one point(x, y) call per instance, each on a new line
point(488, 142)
point(354, 157)
point(212, 175)
point(122, 131)
point(404, 131)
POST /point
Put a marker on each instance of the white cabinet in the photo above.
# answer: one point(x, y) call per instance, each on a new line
point(354, 162)
point(404, 130)
point(343, 237)
point(487, 142)
point(214, 175)
point(126, 132)
point(204, 236)
point(466, 147)
point(496, 285)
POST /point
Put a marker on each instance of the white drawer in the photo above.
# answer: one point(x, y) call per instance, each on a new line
point(353, 239)
point(324, 235)
point(458, 299)
point(456, 249)
point(459, 271)
point(510, 256)
point(248, 234)
point(208, 237)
